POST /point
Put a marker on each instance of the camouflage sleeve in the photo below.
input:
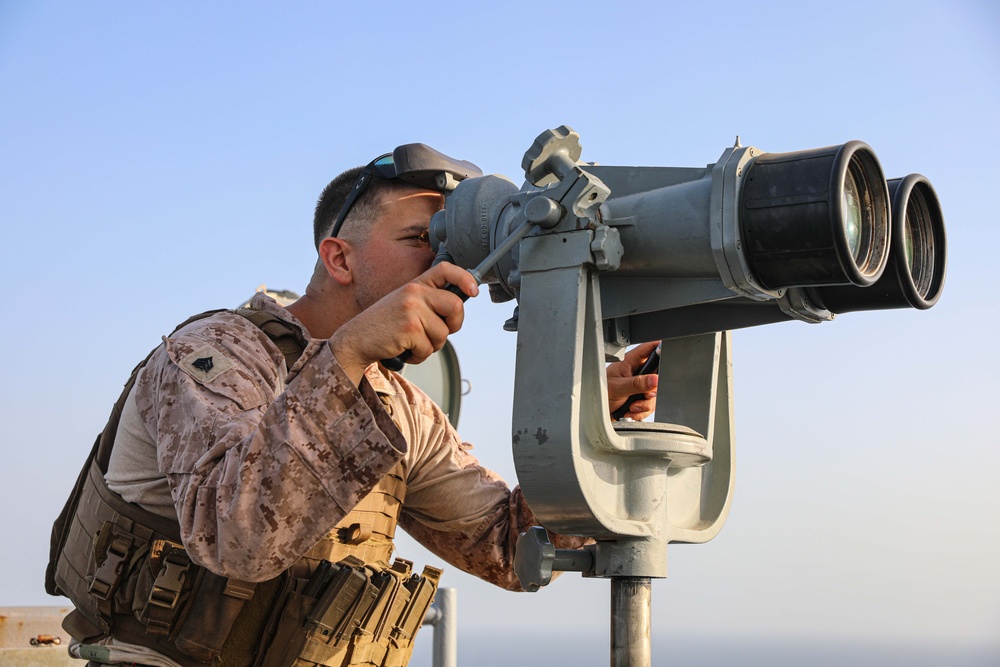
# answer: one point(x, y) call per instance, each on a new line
point(258, 475)
point(463, 512)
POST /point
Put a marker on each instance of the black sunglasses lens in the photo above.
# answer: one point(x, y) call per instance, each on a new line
point(385, 166)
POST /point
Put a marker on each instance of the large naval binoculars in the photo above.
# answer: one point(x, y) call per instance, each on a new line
point(602, 257)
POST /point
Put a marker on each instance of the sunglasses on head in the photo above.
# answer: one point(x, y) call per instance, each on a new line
point(418, 164)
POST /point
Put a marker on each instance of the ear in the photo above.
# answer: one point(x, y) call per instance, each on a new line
point(335, 254)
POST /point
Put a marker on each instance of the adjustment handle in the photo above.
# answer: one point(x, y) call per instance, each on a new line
point(552, 156)
point(535, 559)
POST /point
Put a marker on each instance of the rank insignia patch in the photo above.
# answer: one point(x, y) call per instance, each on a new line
point(206, 363)
point(203, 364)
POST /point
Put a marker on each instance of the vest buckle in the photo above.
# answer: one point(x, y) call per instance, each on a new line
point(165, 593)
point(169, 582)
point(110, 573)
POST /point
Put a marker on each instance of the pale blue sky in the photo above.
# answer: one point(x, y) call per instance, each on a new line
point(159, 160)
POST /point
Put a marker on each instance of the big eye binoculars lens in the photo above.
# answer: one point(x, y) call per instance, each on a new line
point(914, 276)
point(816, 217)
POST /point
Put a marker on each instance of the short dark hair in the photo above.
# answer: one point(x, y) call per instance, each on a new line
point(366, 208)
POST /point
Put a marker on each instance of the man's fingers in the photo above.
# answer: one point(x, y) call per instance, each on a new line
point(448, 308)
point(632, 384)
point(621, 388)
point(644, 383)
point(638, 354)
point(437, 312)
point(624, 383)
point(418, 317)
point(641, 409)
point(446, 273)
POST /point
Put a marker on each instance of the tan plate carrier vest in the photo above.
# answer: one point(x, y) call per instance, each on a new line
point(130, 578)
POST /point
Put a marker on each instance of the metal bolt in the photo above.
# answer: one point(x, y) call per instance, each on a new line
point(543, 211)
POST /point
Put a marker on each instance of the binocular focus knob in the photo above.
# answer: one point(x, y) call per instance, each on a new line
point(536, 559)
point(552, 156)
point(533, 559)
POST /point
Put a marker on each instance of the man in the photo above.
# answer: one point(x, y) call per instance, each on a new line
point(262, 446)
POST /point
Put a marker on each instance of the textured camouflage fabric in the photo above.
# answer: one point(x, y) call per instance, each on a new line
point(262, 463)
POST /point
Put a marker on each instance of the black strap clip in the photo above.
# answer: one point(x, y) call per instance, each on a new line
point(109, 575)
point(165, 593)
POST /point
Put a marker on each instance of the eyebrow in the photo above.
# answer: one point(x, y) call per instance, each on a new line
point(415, 228)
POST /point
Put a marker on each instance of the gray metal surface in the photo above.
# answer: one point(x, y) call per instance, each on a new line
point(443, 617)
point(631, 622)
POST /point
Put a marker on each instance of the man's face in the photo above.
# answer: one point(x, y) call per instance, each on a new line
point(397, 249)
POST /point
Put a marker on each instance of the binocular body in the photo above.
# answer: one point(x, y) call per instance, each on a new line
point(608, 256)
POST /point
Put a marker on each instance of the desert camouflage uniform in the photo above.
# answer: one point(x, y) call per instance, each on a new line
point(258, 464)
point(261, 462)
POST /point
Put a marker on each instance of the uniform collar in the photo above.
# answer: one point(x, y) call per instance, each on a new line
point(263, 302)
